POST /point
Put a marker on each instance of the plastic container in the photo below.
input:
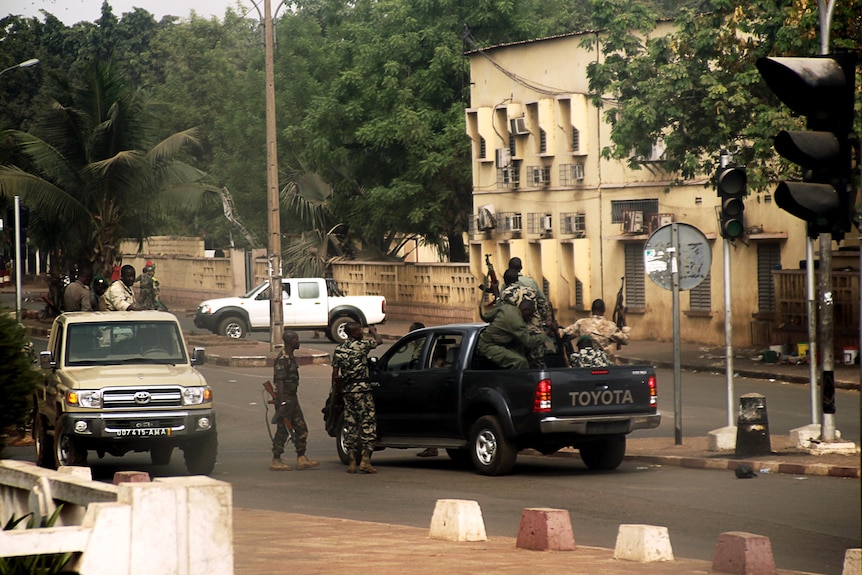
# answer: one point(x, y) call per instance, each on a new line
point(802, 349)
point(850, 355)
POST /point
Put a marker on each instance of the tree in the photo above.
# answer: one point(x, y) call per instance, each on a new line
point(17, 378)
point(93, 173)
point(696, 89)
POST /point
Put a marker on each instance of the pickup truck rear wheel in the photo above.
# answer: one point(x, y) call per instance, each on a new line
point(200, 455)
point(232, 327)
point(604, 454)
point(44, 444)
point(490, 451)
point(341, 446)
point(336, 332)
point(67, 450)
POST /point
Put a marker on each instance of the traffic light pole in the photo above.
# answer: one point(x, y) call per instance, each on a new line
point(827, 308)
point(811, 293)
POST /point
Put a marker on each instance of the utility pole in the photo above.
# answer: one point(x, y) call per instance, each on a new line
point(274, 219)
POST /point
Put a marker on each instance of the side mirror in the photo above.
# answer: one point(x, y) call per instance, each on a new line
point(199, 356)
point(46, 360)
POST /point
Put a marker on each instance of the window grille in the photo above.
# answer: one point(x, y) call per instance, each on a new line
point(648, 207)
point(483, 148)
point(576, 139)
point(543, 141)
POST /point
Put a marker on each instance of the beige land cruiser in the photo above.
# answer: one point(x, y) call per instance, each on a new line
point(115, 382)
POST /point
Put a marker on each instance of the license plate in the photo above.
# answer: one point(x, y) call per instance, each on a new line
point(146, 432)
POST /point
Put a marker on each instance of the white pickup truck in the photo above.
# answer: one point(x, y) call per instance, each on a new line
point(307, 303)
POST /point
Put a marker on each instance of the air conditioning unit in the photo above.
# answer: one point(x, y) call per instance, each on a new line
point(503, 157)
point(547, 224)
point(485, 218)
point(518, 126)
point(633, 222)
point(655, 221)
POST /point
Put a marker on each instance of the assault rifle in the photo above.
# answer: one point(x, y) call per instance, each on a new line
point(273, 400)
point(494, 286)
point(619, 316)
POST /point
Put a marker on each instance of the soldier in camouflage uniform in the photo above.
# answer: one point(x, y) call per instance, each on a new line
point(148, 288)
point(603, 331)
point(507, 341)
point(543, 306)
point(286, 377)
point(360, 421)
point(588, 355)
point(514, 293)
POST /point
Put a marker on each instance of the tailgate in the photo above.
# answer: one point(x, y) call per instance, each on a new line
point(612, 390)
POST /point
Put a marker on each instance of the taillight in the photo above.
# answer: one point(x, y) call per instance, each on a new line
point(653, 393)
point(383, 307)
point(542, 397)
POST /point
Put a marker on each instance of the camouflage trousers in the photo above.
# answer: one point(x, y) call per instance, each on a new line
point(148, 299)
point(360, 422)
point(293, 413)
point(536, 356)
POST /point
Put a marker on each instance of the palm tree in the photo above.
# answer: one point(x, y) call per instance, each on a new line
point(92, 172)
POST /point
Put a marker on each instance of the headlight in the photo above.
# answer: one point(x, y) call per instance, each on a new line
point(197, 395)
point(85, 398)
point(205, 309)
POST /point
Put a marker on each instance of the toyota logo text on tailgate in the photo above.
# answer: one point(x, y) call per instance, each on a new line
point(606, 397)
point(142, 397)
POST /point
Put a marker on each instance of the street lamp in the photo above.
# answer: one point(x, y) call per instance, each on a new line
point(24, 64)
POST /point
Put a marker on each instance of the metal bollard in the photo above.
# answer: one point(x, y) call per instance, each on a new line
point(752, 426)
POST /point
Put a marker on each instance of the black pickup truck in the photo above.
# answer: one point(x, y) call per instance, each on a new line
point(432, 389)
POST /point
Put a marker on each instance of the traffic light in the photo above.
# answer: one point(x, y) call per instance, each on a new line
point(821, 88)
point(730, 182)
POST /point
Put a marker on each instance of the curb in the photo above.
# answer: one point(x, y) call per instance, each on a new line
point(262, 360)
point(803, 379)
point(762, 467)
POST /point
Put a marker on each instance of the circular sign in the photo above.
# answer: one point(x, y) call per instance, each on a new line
point(692, 263)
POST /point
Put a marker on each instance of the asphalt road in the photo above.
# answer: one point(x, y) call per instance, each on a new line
point(810, 520)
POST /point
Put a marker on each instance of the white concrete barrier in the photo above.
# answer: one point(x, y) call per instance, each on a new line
point(852, 562)
point(179, 525)
point(643, 543)
point(457, 520)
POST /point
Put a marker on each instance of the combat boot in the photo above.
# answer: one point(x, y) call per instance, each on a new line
point(352, 467)
point(365, 464)
point(303, 462)
point(278, 465)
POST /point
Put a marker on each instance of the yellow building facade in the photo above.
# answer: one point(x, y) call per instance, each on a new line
point(543, 192)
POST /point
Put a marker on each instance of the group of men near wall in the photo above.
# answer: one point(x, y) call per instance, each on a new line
point(87, 293)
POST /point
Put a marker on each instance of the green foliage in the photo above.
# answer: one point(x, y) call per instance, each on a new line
point(34, 564)
point(18, 377)
point(697, 88)
point(92, 171)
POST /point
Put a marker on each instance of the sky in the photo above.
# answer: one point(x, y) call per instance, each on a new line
point(73, 11)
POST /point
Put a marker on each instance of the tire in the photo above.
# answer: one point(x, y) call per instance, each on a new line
point(335, 333)
point(343, 455)
point(490, 451)
point(44, 444)
point(67, 450)
point(200, 455)
point(460, 457)
point(232, 327)
point(604, 454)
point(161, 454)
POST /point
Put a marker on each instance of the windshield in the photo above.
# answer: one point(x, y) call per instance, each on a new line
point(112, 343)
point(254, 290)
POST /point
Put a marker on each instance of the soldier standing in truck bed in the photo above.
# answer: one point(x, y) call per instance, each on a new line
point(603, 331)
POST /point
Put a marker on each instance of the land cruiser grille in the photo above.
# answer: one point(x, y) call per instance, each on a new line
point(126, 398)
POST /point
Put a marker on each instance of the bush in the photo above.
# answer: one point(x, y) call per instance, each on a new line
point(18, 377)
